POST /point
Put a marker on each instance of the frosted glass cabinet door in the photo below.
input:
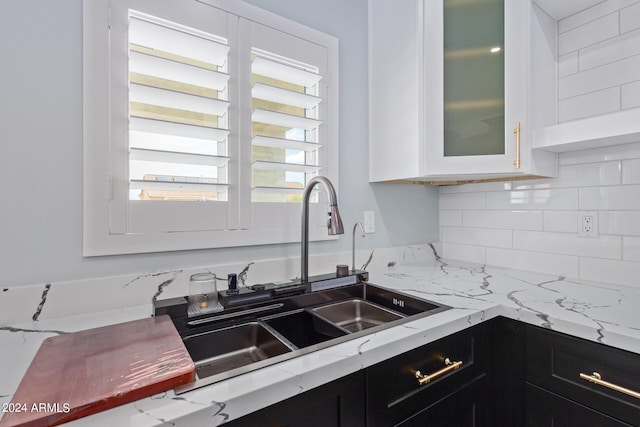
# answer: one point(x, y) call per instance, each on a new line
point(475, 80)
point(473, 77)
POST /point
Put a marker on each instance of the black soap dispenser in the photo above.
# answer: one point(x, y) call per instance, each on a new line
point(232, 281)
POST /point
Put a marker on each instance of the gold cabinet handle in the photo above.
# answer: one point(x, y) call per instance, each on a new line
point(450, 366)
point(516, 162)
point(596, 378)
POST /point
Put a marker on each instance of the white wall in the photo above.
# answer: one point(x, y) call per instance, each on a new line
point(41, 150)
point(533, 225)
point(599, 63)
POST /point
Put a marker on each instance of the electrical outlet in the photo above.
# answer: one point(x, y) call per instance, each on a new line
point(369, 222)
point(588, 224)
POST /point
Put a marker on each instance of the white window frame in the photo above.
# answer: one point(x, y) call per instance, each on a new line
point(253, 223)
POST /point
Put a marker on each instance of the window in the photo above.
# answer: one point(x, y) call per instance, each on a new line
point(203, 122)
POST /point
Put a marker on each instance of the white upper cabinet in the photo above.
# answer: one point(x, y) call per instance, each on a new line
point(450, 82)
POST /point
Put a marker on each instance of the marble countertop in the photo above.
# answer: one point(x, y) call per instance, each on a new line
point(598, 312)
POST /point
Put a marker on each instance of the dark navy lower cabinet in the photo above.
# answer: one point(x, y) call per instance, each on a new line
point(339, 403)
point(443, 393)
point(596, 384)
point(467, 406)
point(501, 373)
point(547, 409)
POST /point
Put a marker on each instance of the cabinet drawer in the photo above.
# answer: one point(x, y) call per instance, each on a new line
point(555, 362)
point(467, 407)
point(393, 392)
point(546, 409)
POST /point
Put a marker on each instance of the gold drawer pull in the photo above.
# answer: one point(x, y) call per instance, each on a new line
point(426, 379)
point(597, 379)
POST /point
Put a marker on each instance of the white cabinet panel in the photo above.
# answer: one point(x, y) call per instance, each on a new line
point(414, 93)
point(395, 65)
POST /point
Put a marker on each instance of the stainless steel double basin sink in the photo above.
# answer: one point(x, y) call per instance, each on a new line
point(254, 336)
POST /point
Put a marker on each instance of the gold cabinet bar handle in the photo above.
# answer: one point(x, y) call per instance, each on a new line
point(516, 162)
point(596, 378)
point(450, 366)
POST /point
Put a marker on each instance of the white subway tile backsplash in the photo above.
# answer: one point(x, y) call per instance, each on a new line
point(534, 184)
point(623, 223)
point(590, 33)
point(452, 218)
point(604, 39)
point(462, 201)
point(561, 265)
point(611, 50)
point(630, 18)
point(606, 76)
point(563, 198)
point(631, 171)
point(474, 188)
point(592, 13)
point(568, 64)
point(617, 152)
point(630, 94)
point(625, 197)
point(568, 244)
point(466, 253)
point(476, 236)
point(593, 174)
point(610, 271)
point(517, 220)
point(532, 225)
point(631, 249)
point(589, 105)
point(561, 221)
point(585, 175)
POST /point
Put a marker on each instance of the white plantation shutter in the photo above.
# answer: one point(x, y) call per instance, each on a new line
point(293, 137)
point(178, 121)
point(285, 126)
point(289, 83)
point(204, 124)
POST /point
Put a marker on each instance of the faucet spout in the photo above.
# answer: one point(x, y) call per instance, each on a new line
point(334, 223)
point(353, 244)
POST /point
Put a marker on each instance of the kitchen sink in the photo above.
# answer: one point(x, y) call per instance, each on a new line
point(303, 329)
point(272, 325)
point(229, 348)
point(356, 315)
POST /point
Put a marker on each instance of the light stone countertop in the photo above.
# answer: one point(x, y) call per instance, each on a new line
point(603, 313)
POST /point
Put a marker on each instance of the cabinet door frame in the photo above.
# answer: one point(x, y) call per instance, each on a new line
point(516, 82)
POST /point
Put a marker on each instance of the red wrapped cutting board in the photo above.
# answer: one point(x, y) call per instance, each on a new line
point(81, 373)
